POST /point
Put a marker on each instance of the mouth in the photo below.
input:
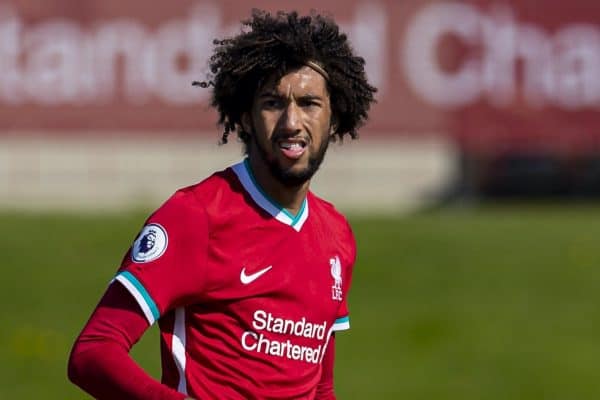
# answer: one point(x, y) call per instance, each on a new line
point(292, 147)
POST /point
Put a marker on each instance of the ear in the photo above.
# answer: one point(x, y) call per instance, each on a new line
point(246, 122)
point(333, 126)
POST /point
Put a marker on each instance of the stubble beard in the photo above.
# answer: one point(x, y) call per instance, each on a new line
point(287, 176)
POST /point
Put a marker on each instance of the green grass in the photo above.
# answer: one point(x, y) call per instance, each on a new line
point(490, 303)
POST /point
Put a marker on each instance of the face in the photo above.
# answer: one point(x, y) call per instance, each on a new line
point(290, 125)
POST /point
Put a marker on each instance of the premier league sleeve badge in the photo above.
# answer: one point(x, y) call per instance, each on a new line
point(150, 244)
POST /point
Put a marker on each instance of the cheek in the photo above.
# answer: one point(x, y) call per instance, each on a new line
point(321, 125)
point(267, 123)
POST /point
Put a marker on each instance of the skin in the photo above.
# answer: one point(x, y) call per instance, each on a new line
point(296, 107)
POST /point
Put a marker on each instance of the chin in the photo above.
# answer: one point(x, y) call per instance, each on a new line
point(295, 165)
point(294, 180)
point(289, 172)
point(293, 176)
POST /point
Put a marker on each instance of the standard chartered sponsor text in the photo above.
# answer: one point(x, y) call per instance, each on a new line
point(263, 321)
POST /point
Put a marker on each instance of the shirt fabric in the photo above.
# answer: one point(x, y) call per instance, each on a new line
point(246, 295)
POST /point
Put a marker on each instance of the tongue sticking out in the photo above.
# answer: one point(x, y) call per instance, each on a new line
point(292, 150)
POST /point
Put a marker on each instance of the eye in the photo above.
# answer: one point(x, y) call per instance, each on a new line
point(271, 104)
point(309, 103)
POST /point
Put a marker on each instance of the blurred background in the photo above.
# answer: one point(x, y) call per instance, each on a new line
point(472, 189)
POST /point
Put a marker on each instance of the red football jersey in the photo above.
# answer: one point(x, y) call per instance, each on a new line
point(246, 295)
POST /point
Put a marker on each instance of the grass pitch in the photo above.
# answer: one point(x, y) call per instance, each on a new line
point(492, 303)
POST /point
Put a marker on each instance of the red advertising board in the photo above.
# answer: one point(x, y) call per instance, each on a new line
point(495, 75)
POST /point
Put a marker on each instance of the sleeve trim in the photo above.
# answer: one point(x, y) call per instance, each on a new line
point(341, 324)
point(140, 294)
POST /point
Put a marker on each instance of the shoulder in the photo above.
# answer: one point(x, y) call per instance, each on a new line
point(220, 182)
point(336, 224)
point(198, 197)
point(189, 207)
point(327, 212)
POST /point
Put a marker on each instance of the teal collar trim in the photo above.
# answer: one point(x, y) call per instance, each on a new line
point(244, 174)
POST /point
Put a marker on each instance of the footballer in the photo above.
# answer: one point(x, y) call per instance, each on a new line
point(247, 272)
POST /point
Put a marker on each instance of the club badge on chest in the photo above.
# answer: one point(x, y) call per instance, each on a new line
point(336, 273)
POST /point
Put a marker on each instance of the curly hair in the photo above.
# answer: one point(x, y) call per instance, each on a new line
point(275, 44)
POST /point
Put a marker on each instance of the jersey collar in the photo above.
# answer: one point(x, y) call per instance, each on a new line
point(244, 174)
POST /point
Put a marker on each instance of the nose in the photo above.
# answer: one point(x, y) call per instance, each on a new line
point(290, 119)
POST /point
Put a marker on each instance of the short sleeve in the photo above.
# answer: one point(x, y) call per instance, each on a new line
point(342, 321)
point(164, 267)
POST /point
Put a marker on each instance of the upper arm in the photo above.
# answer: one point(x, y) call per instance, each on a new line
point(164, 267)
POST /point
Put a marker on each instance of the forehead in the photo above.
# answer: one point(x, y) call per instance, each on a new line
point(303, 80)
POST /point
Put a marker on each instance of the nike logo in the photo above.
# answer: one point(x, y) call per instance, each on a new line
point(246, 279)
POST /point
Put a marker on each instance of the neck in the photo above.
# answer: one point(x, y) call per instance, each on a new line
point(289, 197)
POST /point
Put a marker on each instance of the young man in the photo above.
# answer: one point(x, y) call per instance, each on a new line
point(247, 273)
